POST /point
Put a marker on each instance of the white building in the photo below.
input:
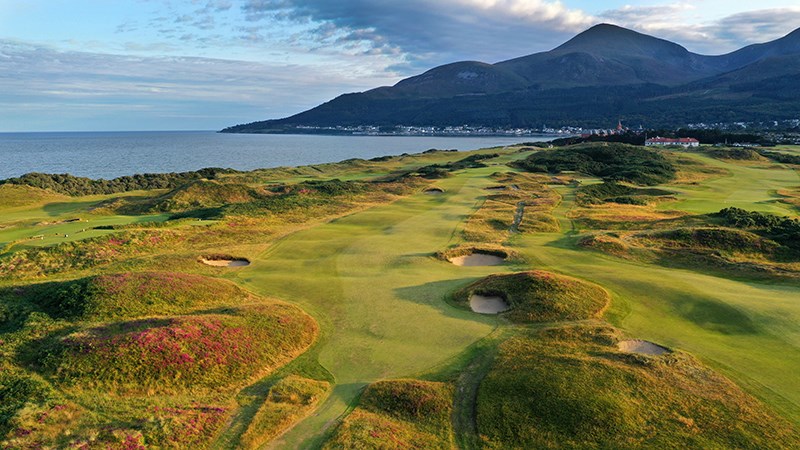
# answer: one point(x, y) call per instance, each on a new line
point(664, 142)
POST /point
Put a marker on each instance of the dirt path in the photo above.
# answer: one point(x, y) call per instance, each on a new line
point(518, 217)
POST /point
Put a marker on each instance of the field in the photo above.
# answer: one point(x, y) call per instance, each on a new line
point(389, 345)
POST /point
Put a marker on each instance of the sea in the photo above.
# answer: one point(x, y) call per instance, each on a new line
point(113, 154)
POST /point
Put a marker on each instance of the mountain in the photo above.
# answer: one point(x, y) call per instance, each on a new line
point(600, 75)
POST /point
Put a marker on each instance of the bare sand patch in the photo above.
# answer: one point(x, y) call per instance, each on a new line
point(643, 347)
point(477, 259)
point(224, 261)
point(488, 304)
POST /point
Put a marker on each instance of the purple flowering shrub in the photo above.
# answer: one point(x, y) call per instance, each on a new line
point(182, 352)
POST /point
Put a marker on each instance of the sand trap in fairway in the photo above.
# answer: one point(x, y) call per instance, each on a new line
point(477, 259)
point(643, 347)
point(434, 191)
point(225, 262)
point(488, 304)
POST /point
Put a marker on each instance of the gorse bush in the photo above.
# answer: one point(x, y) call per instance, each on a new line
point(77, 186)
point(611, 162)
point(784, 230)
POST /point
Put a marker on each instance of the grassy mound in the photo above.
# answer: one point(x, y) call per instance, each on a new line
point(610, 161)
point(738, 154)
point(539, 296)
point(399, 414)
point(204, 194)
point(130, 295)
point(288, 401)
point(720, 239)
point(182, 352)
point(14, 195)
point(85, 254)
point(571, 388)
point(613, 192)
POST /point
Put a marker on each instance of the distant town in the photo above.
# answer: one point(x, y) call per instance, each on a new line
point(783, 131)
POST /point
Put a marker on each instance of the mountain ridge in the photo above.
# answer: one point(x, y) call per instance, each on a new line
point(637, 66)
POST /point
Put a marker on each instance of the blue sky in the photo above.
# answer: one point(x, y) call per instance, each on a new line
point(206, 64)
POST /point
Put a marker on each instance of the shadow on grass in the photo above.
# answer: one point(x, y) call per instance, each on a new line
point(437, 293)
point(59, 208)
point(714, 315)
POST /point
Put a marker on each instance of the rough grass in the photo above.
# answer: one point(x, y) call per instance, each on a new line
point(570, 388)
point(540, 296)
point(499, 215)
point(204, 194)
point(131, 295)
point(89, 253)
point(610, 161)
point(736, 154)
point(15, 196)
point(288, 401)
point(691, 171)
point(613, 192)
point(398, 414)
point(790, 197)
point(205, 351)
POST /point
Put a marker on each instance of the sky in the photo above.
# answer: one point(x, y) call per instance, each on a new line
point(105, 65)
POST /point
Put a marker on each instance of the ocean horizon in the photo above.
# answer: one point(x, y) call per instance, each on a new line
point(110, 154)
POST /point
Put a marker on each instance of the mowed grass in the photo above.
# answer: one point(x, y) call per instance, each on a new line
point(32, 217)
point(372, 282)
point(751, 187)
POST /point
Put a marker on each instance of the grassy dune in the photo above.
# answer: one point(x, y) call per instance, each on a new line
point(571, 388)
point(398, 414)
point(540, 296)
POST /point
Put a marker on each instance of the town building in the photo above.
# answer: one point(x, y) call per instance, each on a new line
point(664, 142)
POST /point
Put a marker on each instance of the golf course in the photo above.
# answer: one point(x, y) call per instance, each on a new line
point(589, 296)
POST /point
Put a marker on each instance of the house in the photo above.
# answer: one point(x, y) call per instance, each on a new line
point(664, 142)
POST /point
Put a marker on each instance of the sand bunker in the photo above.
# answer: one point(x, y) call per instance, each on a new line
point(225, 262)
point(643, 347)
point(488, 304)
point(477, 259)
point(496, 188)
point(434, 191)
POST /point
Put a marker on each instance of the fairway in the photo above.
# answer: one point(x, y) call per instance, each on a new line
point(370, 280)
